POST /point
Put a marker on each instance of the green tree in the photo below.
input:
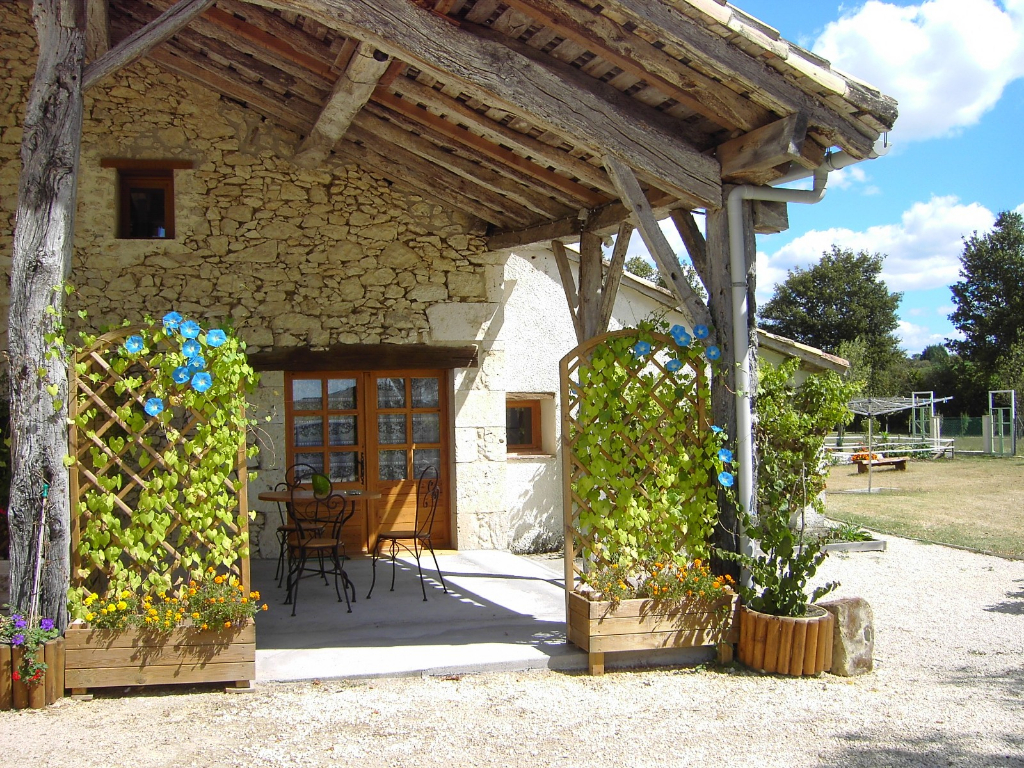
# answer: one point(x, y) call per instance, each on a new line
point(641, 267)
point(989, 297)
point(842, 299)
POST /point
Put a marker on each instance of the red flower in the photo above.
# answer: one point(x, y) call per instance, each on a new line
point(15, 675)
point(36, 676)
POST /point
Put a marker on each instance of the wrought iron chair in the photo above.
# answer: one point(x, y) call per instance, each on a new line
point(294, 476)
point(428, 493)
point(320, 536)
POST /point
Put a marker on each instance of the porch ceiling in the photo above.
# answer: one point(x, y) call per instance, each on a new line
point(506, 109)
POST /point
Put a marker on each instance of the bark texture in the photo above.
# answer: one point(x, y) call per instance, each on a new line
point(43, 238)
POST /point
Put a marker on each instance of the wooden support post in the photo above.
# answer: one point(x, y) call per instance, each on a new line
point(41, 262)
point(614, 276)
point(97, 31)
point(591, 282)
point(134, 47)
point(747, 157)
point(350, 95)
point(569, 287)
point(668, 264)
point(595, 663)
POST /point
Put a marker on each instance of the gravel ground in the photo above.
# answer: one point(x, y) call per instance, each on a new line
point(946, 690)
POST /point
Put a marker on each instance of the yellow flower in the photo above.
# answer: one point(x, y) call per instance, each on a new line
point(220, 599)
point(205, 626)
point(122, 605)
point(210, 569)
point(195, 615)
point(90, 599)
point(227, 625)
point(265, 608)
point(218, 579)
point(192, 583)
point(697, 563)
point(152, 612)
point(191, 591)
point(126, 594)
point(90, 616)
point(245, 600)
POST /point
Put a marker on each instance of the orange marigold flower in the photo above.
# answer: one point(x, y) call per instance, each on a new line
point(227, 625)
point(205, 626)
point(245, 600)
point(264, 607)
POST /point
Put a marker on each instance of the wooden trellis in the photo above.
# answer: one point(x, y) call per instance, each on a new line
point(660, 403)
point(118, 450)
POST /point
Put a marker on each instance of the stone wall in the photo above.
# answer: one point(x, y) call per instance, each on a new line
point(292, 257)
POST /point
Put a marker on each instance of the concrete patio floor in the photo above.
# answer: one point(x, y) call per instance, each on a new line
point(501, 613)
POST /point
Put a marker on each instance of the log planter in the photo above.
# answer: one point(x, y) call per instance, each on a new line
point(600, 626)
point(784, 645)
point(18, 694)
point(103, 658)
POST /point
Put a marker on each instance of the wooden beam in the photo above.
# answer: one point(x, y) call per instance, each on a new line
point(591, 283)
point(569, 287)
point(668, 263)
point(543, 154)
point(350, 94)
point(746, 157)
point(97, 29)
point(602, 220)
point(614, 276)
point(587, 111)
point(349, 357)
point(509, 158)
point(631, 53)
point(372, 125)
point(770, 217)
point(765, 85)
point(694, 242)
point(142, 42)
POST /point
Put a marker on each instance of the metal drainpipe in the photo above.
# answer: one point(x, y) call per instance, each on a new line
point(740, 310)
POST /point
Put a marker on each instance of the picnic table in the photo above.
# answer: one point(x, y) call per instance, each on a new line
point(897, 462)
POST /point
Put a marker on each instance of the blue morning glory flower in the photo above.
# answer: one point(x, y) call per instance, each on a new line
point(202, 382)
point(197, 363)
point(726, 479)
point(725, 455)
point(713, 352)
point(701, 331)
point(717, 430)
point(641, 348)
point(154, 406)
point(134, 344)
point(181, 374)
point(673, 365)
point(191, 348)
point(190, 329)
point(216, 337)
point(683, 339)
point(679, 330)
point(171, 321)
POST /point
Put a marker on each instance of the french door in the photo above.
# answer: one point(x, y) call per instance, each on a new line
point(374, 431)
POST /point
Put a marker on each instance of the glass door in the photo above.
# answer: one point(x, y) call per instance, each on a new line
point(410, 434)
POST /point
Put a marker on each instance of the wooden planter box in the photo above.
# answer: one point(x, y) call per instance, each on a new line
point(787, 646)
point(17, 694)
point(599, 627)
point(103, 658)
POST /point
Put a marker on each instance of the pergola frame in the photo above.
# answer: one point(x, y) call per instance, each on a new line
point(618, 112)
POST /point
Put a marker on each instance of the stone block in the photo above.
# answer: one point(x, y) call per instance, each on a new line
point(853, 637)
point(460, 322)
point(479, 408)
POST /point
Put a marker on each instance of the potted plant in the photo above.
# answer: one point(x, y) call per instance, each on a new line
point(781, 630)
point(28, 674)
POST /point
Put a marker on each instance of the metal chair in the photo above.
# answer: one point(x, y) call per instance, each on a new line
point(320, 537)
point(428, 493)
point(294, 476)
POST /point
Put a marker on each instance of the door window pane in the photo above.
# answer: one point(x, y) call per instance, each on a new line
point(309, 430)
point(342, 430)
point(391, 428)
point(343, 467)
point(519, 425)
point(392, 465)
point(314, 460)
point(391, 393)
point(426, 457)
point(425, 393)
point(341, 394)
point(306, 395)
point(426, 428)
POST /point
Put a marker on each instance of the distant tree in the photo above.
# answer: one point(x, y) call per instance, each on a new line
point(989, 297)
point(935, 353)
point(641, 267)
point(842, 299)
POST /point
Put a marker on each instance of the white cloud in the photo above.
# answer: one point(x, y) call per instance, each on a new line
point(923, 249)
point(945, 61)
point(917, 337)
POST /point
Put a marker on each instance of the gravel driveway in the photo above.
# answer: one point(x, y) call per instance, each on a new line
point(947, 690)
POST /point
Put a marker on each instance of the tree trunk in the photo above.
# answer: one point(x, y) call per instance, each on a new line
point(43, 238)
point(718, 283)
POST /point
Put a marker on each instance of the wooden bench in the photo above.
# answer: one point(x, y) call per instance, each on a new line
point(898, 462)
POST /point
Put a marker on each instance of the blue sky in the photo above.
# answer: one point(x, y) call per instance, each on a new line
point(957, 69)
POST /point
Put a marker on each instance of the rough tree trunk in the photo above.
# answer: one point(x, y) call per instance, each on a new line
point(718, 282)
point(43, 238)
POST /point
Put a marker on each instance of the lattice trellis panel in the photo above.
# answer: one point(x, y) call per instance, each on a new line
point(122, 454)
point(637, 446)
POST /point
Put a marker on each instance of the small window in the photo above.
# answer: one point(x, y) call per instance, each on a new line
point(522, 426)
point(145, 190)
point(147, 205)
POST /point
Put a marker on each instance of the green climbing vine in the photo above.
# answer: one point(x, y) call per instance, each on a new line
point(159, 421)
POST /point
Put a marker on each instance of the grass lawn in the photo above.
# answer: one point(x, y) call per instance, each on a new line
point(975, 502)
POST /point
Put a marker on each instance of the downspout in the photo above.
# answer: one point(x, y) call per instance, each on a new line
point(740, 310)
